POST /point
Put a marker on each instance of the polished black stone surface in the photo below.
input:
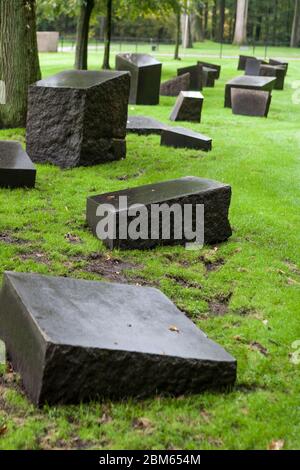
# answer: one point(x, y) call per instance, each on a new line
point(16, 168)
point(78, 118)
point(145, 73)
point(252, 66)
point(279, 62)
point(144, 125)
point(215, 67)
point(278, 71)
point(73, 340)
point(180, 137)
point(209, 77)
point(243, 60)
point(188, 107)
point(250, 102)
point(196, 76)
point(248, 82)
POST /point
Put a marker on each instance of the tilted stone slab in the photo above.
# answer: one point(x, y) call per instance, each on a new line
point(215, 67)
point(189, 190)
point(278, 71)
point(253, 66)
point(78, 118)
point(243, 61)
point(16, 168)
point(175, 85)
point(144, 125)
point(279, 62)
point(145, 73)
point(188, 107)
point(73, 340)
point(250, 102)
point(209, 77)
point(196, 76)
point(179, 137)
point(249, 83)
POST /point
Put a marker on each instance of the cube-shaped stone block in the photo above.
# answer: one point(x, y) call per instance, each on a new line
point(78, 118)
point(213, 195)
point(73, 340)
point(175, 85)
point(188, 107)
point(196, 76)
point(16, 168)
point(215, 67)
point(142, 125)
point(243, 60)
point(278, 71)
point(209, 77)
point(279, 62)
point(179, 137)
point(249, 83)
point(250, 102)
point(145, 73)
point(252, 66)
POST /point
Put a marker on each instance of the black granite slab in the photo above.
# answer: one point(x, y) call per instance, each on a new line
point(145, 73)
point(248, 82)
point(279, 62)
point(175, 85)
point(252, 66)
point(188, 107)
point(215, 67)
point(278, 71)
point(243, 60)
point(180, 137)
point(250, 102)
point(209, 77)
point(196, 76)
point(16, 168)
point(73, 340)
point(78, 118)
point(189, 190)
point(142, 125)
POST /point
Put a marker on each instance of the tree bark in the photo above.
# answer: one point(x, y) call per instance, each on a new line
point(81, 56)
point(240, 36)
point(108, 27)
point(295, 37)
point(214, 21)
point(221, 19)
point(19, 60)
point(178, 32)
point(206, 19)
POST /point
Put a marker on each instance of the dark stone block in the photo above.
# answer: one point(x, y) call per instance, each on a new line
point(144, 125)
point(78, 118)
point(279, 62)
point(249, 83)
point(180, 137)
point(145, 77)
point(188, 107)
point(209, 77)
point(196, 76)
point(252, 67)
point(215, 67)
point(190, 190)
point(73, 340)
point(250, 102)
point(243, 60)
point(16, 168)
point(278, 71)
point(174, 86)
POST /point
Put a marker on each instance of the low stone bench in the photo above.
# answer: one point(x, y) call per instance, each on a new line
point(188, 107)
point(16, 168)
point(175, 85)
point(180, 137)
point(250, 102)
point(73, 340)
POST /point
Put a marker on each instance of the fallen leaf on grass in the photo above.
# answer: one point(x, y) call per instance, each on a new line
point(276, 445)
point(143, 424)
point(255, 346)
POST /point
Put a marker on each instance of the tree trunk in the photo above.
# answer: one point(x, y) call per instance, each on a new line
point(214, 21)
point(178, 32)
point(107, 41)
point(206, 19)
point(295, 37)
point(221, 19)
point(240, 36)
point(186, 27)
point(19, 60)
point(81, 56)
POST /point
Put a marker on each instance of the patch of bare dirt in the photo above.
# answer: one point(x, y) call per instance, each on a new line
point(36, 256)
point(109, 267)
point(183, 282)
point(9, 238)
point(212, 265)
point(219, 305)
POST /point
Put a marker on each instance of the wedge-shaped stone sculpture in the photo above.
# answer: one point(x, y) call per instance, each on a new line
point(144, 125)
point(145, 73)
point(74, 340)
point(278, 71)
point(175, 85)
point(188, 107)
point(180, 192)
point(179, 137)
point(196, 76)
point(249, 83)
point(78, 118)
point(215, 67)
point(16, 168)
point(250, 102)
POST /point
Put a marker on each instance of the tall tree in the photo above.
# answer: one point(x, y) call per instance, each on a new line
point(295, 37)
point(81, 55)
point(221, 19)
point(107, 34)
point(19, 61)
point(178, 32)
point(240, 35)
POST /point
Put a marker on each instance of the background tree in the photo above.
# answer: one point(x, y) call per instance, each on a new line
point(295, 36)
point(82, 38)
point(19, 62)
point(107, 34)
point(240, 36)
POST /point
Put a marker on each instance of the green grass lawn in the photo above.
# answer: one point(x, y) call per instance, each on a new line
point(245, 294)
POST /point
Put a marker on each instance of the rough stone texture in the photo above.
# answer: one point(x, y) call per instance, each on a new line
point(16, 168)
point(279, 62)
point(189, 190)
point(180, 137)
point(196, 76)
point(252, 66)
point(145, 77)
point(216, 67)
point(174, 86)
point(243, 60)
point(144, 125)
point(73, 340)
point(209, 77)
point(250, 102)
point(188, 107)
point(249, 83)
point(47, 41)
point(278, 71)
point(78, 118)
